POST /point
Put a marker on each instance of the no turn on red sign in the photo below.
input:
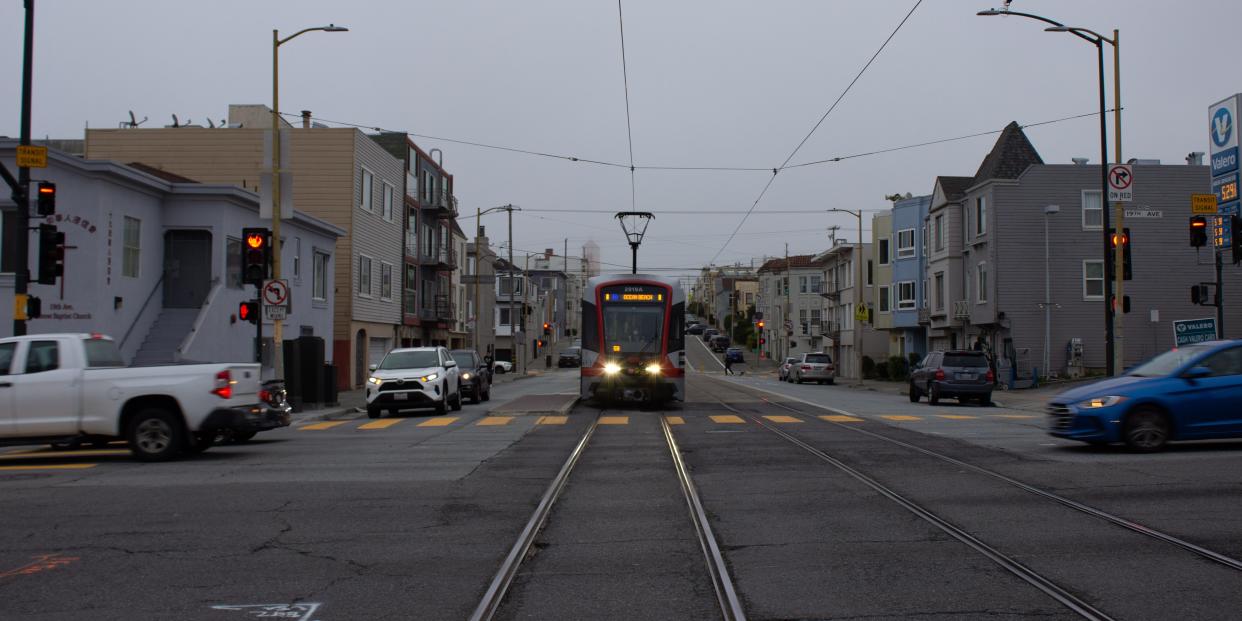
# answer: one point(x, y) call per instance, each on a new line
point(275, 295)
point(1120, 183)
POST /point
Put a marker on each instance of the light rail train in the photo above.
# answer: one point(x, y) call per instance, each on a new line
point(633, 339)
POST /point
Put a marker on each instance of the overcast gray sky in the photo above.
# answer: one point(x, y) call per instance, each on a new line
point(712, 83)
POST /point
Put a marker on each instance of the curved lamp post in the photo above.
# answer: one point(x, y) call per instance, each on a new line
point(634, 224)
point(1112, 337)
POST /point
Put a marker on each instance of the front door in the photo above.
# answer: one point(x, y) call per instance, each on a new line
point(8, 424)
point(1211, 403)
point(45, 395)
point(187, 268)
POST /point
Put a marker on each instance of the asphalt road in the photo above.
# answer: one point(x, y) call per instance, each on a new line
point(410, 517)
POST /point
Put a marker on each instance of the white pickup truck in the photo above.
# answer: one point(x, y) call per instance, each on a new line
point(57, 388)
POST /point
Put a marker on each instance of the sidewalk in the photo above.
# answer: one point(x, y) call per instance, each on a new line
point(1030, 399)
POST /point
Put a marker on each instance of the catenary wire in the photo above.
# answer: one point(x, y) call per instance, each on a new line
point(629, 130)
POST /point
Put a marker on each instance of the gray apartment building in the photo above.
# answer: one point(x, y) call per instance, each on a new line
point(986, 266)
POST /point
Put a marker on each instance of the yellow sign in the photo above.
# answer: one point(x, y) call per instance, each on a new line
point(1203, 203)
point(861, 314)
point(31, 157)
point(19, 306)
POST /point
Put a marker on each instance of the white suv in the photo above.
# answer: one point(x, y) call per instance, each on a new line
point(414, 377)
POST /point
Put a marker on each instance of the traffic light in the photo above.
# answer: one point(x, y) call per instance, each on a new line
point(256, 255)
point(760, 324)
point(45, 205)
point(1235, 228)
point(51, 254)
point(1125, 303)
point(248, 311)
point(547, 329)
point(1198, 231)
point(34, 307)
point(762, 340)
point(1124, 241)
point(1199, 294)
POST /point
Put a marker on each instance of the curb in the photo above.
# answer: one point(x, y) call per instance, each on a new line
point(325, 414)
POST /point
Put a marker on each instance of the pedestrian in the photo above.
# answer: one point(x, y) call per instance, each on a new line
point(728, 365)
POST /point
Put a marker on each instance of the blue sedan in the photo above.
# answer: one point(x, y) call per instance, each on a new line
point(1191, 393)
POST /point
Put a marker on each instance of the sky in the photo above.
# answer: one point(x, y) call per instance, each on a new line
point(711, 83)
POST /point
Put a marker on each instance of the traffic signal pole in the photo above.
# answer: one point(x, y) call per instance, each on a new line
point(21, 195)
point(1220, 297)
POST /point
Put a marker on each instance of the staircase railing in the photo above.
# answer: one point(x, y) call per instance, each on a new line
point(203, 311)
point(141, 311)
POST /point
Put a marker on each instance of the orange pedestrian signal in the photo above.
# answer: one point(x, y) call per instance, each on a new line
point(248, 311)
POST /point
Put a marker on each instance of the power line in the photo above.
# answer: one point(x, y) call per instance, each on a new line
point(629, 131)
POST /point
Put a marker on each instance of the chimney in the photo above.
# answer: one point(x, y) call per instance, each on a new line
point(547, 253)
point(1081, 161)
point(306, 122)
point(1194, 158)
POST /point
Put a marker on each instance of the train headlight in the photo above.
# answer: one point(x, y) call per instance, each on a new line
point(653, 368)
point(612, 368)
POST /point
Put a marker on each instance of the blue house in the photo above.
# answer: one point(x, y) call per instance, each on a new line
point(909, 257)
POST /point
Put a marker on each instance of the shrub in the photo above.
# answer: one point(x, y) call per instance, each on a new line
point(868, 367)
point(897, 368)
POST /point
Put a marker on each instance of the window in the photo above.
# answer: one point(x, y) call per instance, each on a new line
point(802, 284)
point(510, 285)
point(364, 276)
point(1227, 362)
point(905, 295)
point(297, 257)
point(982, 281)
point(388, 191)
point(981, 216)
point(6, 357)
point(802, 321)
point(884, 299)
point(905, 243)
point(870, 273)
point(939, 291)
point(1092, 216)
point(232, 263)
point(101, 353)
point(924, 238)
point(924, 294)
point(428, 189)
point(42, 356)
point(319, 284)
point(882, 253)
point(817, 283)
point(470, 262)
point(504, 316)
point(815, 316)
point(939, 231)
point(385, 281)
point(847, 319)
point(132, 247)
point(367, 199)
point(1093, 280)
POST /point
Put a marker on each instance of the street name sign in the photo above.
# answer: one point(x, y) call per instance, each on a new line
point(1120, 183)
point(1144, 212)
point(1190, 331)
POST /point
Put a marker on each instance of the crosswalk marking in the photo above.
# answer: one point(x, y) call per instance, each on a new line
point(552, 420)
point(841, 418)
point(439, 421)
point(382, 423)
point(727, 418)
point(489, 421)
point(50, 467)
point(675, 420)
point(957, 416)
point(324, 425)
point(780, 418)
point(901, 417)
point(614, 420)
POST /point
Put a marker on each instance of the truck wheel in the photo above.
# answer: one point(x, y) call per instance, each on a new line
point(374, 412)
point(155, 435)
point(440, 409)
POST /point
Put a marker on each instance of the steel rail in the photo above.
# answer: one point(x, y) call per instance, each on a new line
point(726, 595)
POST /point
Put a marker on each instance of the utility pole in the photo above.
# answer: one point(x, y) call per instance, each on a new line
point(1119, 214)
point(785, 321)
point(21, 195)
point(513, 338)
point(1220, 296)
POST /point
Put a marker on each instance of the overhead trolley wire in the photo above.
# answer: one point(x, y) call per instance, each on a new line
point(629, 131)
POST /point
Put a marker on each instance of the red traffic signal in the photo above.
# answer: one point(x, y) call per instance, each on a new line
point(45, 205)
point(760, 324)
point(1198, 231)
point(256, 255)
point(248, 311)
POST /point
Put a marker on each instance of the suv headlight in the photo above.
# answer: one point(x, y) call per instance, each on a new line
point(375, 380)
point(612, 368)
point(466, 376)
point(429, 378)
point(653, 368)
point(1100, 402)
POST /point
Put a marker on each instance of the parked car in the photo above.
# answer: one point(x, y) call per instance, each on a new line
point(697, 328)
point(571, 357)
point(734, 354)
point(719, 343)
point(502, 366)
point(1191, 393)
point(414, 377)
point(815, 367)
point(958, 374)
point(476, 377)
point(782, 374)
point(709, 333)
point(74, 389)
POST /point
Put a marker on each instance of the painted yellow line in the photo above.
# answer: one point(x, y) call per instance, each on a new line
point(1015, 416)
point(49, 467)
point(382, 423)
point(324, 425)
point(439, 421)
point(675, 420)
point(900, 417)
point(780, 418)
point(957, 416)
point(841, 418)
point(42, 454)
point(614, 420)
point(552, 420)
point(490, 421)
point(727, 418)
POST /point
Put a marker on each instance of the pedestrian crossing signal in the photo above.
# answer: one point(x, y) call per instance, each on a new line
point(248, 311)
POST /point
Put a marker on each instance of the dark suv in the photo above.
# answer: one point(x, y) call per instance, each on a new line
point(958, 374)
point(571, 357)
point(476, 377)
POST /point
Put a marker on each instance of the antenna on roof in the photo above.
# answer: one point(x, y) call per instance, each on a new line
point(210, 124)
point(132, 122)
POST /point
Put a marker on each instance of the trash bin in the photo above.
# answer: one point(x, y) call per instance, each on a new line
point(547, 361)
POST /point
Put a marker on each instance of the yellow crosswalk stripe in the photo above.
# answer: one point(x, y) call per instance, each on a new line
point(1015, 416)
point(439, 421)
point(675, 420)
point(727, 418)
point(841, 418)
point(901, 417)
point(780, 418)
point(44, 454)
point(552, 420)
point(382, 423)
point(50, 467)
point(614, 420)
point(957, 416)
point(489, 421)
point(324, 425)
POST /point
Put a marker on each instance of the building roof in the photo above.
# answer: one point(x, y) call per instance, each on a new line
point(1012, 154)
point(793, 262)
point(954, 188)
point(170, 177)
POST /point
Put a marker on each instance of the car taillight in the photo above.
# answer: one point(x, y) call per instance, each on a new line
point(265, 396)
point(991, 376)
point(939, 374)
point(806, 367)
point(224, 385)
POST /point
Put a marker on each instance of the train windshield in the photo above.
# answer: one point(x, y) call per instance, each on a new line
point(633, 320)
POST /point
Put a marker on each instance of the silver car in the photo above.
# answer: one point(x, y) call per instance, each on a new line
point(815, 367)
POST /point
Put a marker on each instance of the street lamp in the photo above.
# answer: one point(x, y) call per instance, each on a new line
point(634, 225)
point(1049, 210)
point(478, 262)
point(278, 366)
point(1098, 41)
point(858, 294)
